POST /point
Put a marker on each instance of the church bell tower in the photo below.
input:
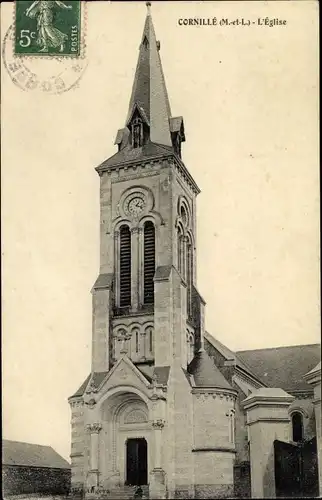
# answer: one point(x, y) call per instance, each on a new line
point(147, 230)
point(143, 415)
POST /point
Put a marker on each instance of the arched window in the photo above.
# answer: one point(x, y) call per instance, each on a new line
point(125, 266)
point(183, 215)
point(297, 426)
point(149, 262)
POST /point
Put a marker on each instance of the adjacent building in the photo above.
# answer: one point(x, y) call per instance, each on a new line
point(33, 468)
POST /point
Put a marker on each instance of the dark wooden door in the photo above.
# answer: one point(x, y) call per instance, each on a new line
point(136, 461)
point(287, 470)
point(296, 470)
point(309, 469)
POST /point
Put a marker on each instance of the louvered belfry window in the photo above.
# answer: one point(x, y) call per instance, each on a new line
point(189, 278)
point(125, 266)
point(149, 262)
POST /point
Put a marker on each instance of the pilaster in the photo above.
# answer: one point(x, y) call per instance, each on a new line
point(157, 475)
point(101, 298)
point(93, 474)
point(267, 420)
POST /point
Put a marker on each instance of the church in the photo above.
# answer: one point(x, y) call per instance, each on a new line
point(166, 406)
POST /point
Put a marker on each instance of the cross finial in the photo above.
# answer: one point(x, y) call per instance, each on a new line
point(148, 4)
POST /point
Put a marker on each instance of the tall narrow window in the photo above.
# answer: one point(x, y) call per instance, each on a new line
point(180, 250)
point(125, 266)
point(231, 424)
point(189, 266)
point(137, 133)
point(151, 340)
point(136, 341)
point(297, 426)
point(149, 262)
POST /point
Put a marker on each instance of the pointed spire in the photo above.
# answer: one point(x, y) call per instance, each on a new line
point(149, 93)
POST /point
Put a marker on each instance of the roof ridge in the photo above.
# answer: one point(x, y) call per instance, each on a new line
point(26, 442)
point(277, 347)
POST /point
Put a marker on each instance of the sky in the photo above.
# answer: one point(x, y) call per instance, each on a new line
point(249, 100)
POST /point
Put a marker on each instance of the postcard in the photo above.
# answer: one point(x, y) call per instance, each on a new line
point(160, 249)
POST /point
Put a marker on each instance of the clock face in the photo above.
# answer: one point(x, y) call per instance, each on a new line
point(136, 206)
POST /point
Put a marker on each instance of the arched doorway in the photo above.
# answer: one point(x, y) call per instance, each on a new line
point(136, 461)
point(124, 440)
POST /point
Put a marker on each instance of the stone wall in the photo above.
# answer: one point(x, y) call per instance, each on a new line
point(211, 420)
point(213, 474)
point(180, 418)
point(213, 449)
point(77, 444)
point(241, 431)
point(21, 479)
point(242, 481)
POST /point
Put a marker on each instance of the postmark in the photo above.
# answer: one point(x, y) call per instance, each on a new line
point(48, 28)
point(51, 75)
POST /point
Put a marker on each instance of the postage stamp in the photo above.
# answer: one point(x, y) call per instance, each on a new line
point(49, 75)
point(48, 28)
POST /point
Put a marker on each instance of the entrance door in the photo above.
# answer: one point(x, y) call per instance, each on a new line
point(136, 461)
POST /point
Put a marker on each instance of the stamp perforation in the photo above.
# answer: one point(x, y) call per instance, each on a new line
point(59, 57)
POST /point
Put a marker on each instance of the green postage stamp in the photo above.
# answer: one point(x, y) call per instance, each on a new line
point(48, 27)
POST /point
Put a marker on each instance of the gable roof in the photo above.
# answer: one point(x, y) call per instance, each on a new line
point(31, 455)
point(283, 367)
point(229, 355)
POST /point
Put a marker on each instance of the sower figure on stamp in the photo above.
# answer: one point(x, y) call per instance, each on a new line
point(48, 35)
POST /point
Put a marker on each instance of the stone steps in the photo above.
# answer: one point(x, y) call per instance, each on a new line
point(120, 493)
point(127, 492)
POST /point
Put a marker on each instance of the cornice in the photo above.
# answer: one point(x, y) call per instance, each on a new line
point(213, 392)
point(221, 449)
point(268, 420)
point(173, 159)
point(76, 401)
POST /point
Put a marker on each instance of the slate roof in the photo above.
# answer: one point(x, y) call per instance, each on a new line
point(205, 373)
point(316, 369)
point(31, 455)
point(229, 355)
point(160, 373)
point(149, 90)
point(104, 280)
point(80, 391)
point(283, 367)
point(162, 272)
point(129, 154)
point(149, 98)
